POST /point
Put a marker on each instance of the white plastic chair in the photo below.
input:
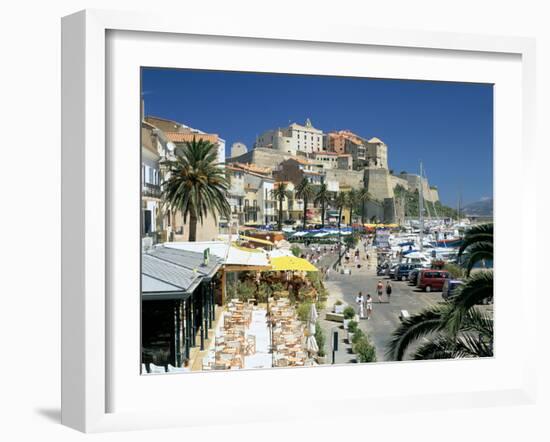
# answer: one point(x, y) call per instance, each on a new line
point(172, 369)
point(156, 369)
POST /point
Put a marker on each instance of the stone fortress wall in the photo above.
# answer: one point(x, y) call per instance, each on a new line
point(346, 178)
point(262, 157)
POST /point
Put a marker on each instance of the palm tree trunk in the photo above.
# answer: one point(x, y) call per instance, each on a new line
point(280, 213)
point(192, 228)
point(323, 215)
point(305, 212)
point(363, 212)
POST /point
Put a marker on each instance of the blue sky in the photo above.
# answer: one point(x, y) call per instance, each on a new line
point(447, 126)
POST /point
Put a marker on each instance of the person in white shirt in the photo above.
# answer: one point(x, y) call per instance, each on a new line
point(361, 303)
point(369, 306)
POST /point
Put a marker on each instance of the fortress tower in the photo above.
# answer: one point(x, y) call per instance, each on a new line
point(376, 154)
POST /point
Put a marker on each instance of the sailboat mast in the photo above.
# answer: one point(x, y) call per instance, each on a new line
point(421, 209)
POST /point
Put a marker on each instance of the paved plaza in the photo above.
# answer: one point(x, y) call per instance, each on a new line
point(385, 316)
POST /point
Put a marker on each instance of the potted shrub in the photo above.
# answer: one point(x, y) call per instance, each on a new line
point(357, 336)
point(339, 307)
point(352, 329)
point(364, 350)
point(303, 310)
point(349, 314)
point(321, 338)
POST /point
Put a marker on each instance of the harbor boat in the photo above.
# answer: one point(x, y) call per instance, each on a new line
point(449, 242)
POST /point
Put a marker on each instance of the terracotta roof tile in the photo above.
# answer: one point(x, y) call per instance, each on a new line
point(178, 137)
point(253, 168)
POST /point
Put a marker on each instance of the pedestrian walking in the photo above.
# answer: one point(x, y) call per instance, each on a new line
point(369, 305)
point(360, 301)
point(327, 273)
point(379, 290)
point(388, 290)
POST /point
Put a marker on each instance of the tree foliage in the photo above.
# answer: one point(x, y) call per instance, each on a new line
point(196, 185)
point(458, 328)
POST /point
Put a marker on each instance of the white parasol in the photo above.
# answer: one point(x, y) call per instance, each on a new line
point(311, 342)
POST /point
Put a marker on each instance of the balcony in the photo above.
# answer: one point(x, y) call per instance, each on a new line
point(151, 190)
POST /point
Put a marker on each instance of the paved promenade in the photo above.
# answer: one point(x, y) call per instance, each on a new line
point(385, 316)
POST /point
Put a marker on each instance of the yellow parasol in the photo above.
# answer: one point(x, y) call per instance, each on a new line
point(293, 264)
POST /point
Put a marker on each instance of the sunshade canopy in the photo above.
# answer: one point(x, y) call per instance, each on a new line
point(265, 242)
point(229, 254)
point(292, 263)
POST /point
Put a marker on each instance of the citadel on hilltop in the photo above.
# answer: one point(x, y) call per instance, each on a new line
point(341, 159)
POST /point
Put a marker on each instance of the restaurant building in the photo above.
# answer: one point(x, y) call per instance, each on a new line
point(178, 304)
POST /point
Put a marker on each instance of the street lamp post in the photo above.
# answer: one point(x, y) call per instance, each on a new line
point(334, 343)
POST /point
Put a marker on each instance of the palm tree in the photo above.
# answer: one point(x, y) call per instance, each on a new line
point(306, 192)
point(340, 202)
point(323, 198)
point(457, 328)
point(196, 185)
point(280, 192)
point(353, 200)
point(363, 196)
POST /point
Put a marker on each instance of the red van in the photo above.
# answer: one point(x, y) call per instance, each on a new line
point(431, 279)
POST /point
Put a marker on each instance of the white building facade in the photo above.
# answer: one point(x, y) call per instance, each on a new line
point(294, 139)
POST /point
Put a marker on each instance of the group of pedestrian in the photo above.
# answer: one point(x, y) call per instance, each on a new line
point(316, 253)
point(366, 303)
point(362, 303)
point(380, 291)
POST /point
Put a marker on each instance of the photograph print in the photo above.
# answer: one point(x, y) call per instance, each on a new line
point(305, 220)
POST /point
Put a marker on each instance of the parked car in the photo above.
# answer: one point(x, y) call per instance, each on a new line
point(381, 269)
point(403, 270)
point(430, 279)
point(413, 276)
point(391, 270)
point(449, 286)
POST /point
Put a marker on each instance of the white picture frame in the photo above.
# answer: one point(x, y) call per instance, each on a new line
point(87, 215)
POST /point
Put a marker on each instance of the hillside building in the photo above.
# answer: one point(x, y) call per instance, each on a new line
point(237, 149)
point(295, 139)
point(179, 133)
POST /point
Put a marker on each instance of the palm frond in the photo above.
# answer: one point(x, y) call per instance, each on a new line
point(478, 321)
point(471, 346)
point(440, 347)
point(478, 233)
point(477, 289)
point(477, 252)
point(417, 326)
